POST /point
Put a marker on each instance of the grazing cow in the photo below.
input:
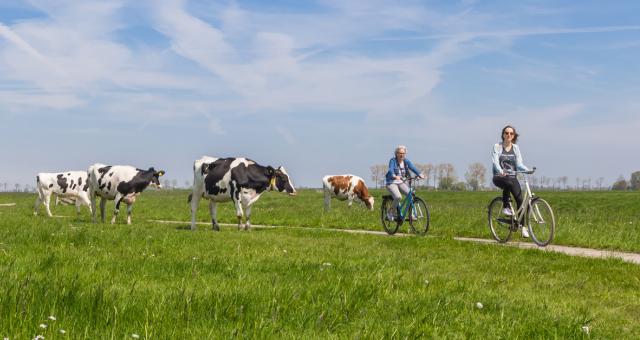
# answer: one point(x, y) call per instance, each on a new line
point(121, 183)
point(345, 187)
point(70, 187)
point(240, 180)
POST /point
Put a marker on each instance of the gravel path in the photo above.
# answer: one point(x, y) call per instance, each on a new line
point(573, 251)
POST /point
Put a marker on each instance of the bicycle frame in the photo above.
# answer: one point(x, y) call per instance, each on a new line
point(407, 203)
point(526, 200)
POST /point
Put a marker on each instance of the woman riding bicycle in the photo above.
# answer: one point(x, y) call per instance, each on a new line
point(507, 159)
point(399, 168)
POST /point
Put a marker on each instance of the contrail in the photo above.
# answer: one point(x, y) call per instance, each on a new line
point(6, 32)
point(520, 32)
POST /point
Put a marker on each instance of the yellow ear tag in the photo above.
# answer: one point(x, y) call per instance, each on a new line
point(161, 173)
point(272, 183)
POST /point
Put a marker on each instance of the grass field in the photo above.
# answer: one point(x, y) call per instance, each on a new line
point(162, 281)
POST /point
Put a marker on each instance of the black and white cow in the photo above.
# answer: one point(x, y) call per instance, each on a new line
point(121, 183)
point(240, 180)
point(69, 186)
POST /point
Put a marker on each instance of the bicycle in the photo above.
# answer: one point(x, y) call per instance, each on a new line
point(412, 208)
point(540, 220)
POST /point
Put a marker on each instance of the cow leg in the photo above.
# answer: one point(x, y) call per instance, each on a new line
point(78, 204)
point(47, 201)
point(195, 201)
point(36, 206)
point(239, 213)
point(129, 210)
point(214, 220)
point(350, 201)
point(103, 207)
point(93, 208)
point(117, 201)
point(84, 199)
point(327, 200)
point(247, 215)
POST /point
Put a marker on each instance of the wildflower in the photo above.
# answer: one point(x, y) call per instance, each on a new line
point(135, 336)
point(62, 331)
point(43, 325)
point(426, 282)
point(479, 305)
point(38, 337)
point(586, 329)
point(326, 264)
point(52, 318)
point(284, 250)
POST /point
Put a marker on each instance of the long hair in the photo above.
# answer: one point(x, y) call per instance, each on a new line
point(515, 134)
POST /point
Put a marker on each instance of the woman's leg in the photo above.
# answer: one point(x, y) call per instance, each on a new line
point(503, 183)
point(395, 193)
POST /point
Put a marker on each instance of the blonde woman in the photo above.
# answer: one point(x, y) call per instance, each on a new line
point(399, 167)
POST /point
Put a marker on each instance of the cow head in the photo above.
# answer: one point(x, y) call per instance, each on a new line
point(155, 178)
point(362, 192)
point(283, 182)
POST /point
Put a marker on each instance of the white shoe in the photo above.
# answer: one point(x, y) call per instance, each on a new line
point(525, 232)
point(507, 211)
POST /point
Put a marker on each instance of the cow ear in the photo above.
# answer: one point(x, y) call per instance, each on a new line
point(160, 173)
point(270, 170)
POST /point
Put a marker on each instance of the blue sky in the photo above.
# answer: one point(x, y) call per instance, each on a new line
point(320, 87)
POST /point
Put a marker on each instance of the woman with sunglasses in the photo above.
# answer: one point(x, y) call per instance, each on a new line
point(506, 160)
point(399, 168)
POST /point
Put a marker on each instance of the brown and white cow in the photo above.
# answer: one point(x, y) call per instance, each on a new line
point(345, 187)
point(70, 187)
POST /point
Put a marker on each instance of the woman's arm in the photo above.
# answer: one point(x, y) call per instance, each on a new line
point(495, 157)
point(519, 163)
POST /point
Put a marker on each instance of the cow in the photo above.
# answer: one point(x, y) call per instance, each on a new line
point(69, 186)
point(239, 180)
point(345, 187)
point(121, 183)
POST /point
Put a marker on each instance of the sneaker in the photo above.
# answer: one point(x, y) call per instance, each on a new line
point(525, 232)
point(507, 212)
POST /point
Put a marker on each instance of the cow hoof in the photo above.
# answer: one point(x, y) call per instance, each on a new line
point(216, 227)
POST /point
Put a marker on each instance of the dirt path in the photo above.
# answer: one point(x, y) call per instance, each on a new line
point(572, 251)
point(7, 204)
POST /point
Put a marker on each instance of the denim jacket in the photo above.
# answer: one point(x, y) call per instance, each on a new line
point(394, 170)
point(495, 156)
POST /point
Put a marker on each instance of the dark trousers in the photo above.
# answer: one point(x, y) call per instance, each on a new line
point(509, 185)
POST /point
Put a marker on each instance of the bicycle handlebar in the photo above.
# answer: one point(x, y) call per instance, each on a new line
point(528, 172)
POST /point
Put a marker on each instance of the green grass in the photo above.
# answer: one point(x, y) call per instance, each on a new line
point(161, 281)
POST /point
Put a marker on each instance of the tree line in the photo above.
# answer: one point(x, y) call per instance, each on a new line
point(443, 177)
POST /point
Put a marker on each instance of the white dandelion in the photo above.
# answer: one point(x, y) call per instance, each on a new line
point(586, 329)
point(327, 264)
point(284, 251)
point(62, 331)
point(52, 318)
point(479, 305)
point(38, 337)
point(426, 282)
point(43, 325)
point(135, 336)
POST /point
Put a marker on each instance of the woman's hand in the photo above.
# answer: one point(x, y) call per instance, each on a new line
point(397, 177)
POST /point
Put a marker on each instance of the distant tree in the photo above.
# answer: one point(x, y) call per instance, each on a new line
point(634, 182)
point(458, 186)
point(187, 183)
point(378, 172)
point(17, 185)
point(427, 171)
point(174, 183)
point(599, 182)
point(578, 181)
point(564, 180)
point(475, 176)
point(448, 176)
point(620, 184)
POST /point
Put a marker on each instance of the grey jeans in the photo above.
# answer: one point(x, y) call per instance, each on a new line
point(395, 190)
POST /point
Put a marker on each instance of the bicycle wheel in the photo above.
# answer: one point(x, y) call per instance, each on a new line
point(419, 218)
point(541, 222)
point(499, 223)
point(388, 210)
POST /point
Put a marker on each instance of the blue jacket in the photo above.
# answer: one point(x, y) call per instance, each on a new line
point(495, 157)
point(394, 170)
